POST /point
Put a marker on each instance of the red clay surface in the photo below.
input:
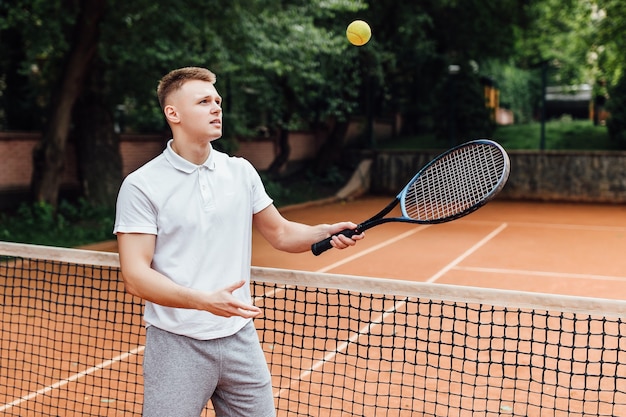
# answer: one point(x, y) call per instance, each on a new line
point(570, 249)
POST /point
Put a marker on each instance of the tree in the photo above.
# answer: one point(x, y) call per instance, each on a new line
point(420, 40)
point(111, 53)
point(608, 56)
point(282, 64)
point(64, 73)
point(101, 54)
point(302, 70)
point(49, 155)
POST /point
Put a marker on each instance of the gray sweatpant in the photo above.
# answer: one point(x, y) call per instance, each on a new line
point(182, 374)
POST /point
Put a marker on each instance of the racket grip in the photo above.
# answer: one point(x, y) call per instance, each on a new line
point(323, 245)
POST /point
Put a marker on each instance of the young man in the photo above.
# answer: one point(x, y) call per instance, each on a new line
point(184, 228)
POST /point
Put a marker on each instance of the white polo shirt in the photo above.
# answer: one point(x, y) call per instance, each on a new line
point(202, 217)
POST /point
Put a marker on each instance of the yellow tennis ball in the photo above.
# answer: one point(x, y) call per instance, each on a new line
point(358, 33)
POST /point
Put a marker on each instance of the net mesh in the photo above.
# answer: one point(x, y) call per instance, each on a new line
point(72, 344)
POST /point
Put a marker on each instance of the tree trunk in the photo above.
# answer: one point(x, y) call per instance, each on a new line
point(49, 154)
point(330, 152)
point(97, 144)
point(284, 150)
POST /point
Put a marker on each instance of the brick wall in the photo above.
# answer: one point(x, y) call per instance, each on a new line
point(16, 166)
point(16, 156)
point(136, 150)
point(261, 152)
point(16, 151)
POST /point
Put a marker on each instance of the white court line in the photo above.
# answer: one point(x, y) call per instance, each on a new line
point(340, 348)
point(540, 273)
point(373, 248)
point(73, 378)
point(351, 258)
point(565, 226)
point(367, 328)
point(467, 253)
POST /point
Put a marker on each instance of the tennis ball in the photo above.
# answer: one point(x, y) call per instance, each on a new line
point(358, 33)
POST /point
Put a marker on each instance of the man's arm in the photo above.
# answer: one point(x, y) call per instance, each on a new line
point(136, 251)
point(295, 237)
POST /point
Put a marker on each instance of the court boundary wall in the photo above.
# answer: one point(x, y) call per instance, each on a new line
point(558, 176)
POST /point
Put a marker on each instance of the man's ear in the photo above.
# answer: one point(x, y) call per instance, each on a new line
point(171, 114)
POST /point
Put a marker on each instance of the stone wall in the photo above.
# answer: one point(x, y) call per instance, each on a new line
point(572, 176)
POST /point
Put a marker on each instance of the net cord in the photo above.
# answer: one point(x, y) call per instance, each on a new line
point(456, 293)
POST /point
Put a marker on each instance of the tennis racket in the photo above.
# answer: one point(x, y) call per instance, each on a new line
point(453, 185)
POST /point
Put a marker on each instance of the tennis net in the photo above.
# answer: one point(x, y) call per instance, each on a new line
point(72, 344)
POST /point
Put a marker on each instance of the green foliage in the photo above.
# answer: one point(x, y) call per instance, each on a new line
point(296, 70)
point(520, 89)
point(304, 186)
point(557, 31)
point(332, 177)
point(285, 195)
point(474, 29)
point(609, 41)
point(70, 225)
point(33, 45)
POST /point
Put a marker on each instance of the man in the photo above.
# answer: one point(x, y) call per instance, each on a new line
point(184, 228)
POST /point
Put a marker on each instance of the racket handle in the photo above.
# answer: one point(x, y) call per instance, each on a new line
point(323, 245)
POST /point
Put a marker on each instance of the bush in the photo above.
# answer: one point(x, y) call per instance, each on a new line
point(69, 225)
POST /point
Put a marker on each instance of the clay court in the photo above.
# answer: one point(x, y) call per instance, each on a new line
point(570, 249)
point(316, 346)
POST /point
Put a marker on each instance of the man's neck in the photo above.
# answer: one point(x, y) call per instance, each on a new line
point(196, 153)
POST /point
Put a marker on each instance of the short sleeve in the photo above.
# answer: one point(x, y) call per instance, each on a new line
point(260, 198)
point(134, 212)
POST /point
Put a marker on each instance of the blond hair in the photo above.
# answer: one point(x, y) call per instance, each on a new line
point(175, 79)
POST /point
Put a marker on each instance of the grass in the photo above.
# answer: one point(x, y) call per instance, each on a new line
point(559, 135)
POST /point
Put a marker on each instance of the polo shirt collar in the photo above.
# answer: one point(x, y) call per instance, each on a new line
point(184, 165)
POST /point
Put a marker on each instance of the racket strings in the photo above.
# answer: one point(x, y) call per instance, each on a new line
point(456, 183)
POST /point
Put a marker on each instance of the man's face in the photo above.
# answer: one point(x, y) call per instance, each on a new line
point(198, 109)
